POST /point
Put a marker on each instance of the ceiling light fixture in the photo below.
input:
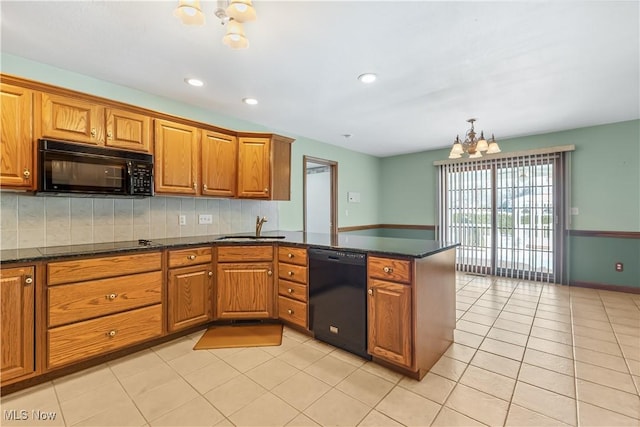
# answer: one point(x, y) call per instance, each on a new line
point(194, 82)
point(190, 12)
point(367, 77)
point(473, 146)
point(250, 101)
point(230, 12)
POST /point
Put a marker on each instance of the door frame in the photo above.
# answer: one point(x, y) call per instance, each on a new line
point(333, 176)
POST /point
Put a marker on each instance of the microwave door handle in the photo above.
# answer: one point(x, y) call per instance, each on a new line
point(130, 177)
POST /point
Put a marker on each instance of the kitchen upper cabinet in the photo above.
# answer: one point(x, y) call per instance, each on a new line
point(16, 145)
point(176, 158)
point(71, 119)
point(245, 287)
point(264, 167)
point(128, 130)
point(219, 158)
point(190, 288)
point(17, 322)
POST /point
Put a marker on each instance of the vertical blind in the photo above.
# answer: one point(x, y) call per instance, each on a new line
point(508, 214)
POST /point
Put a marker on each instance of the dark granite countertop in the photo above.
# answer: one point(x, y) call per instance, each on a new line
point(409, 248)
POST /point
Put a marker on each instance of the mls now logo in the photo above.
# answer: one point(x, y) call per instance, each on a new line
point(23, 415)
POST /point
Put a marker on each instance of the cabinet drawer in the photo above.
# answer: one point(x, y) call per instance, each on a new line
point(395, 270)
point(292, 311)
point(292, 290)
point(292, 255)
point(82, 340)
point(85, 300)
point(292, 272)
point(98, 268)
point(245, 253)
point(191, 256)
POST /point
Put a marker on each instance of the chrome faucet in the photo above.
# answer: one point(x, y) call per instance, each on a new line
point(259, 223)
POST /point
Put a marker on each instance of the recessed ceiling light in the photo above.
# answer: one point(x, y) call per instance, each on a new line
point(346, 135)
point(194, 82)
point(250, 101)
point(367, 77)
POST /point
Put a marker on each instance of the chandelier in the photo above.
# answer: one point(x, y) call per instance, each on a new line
point(473, 146)
point(232, 13)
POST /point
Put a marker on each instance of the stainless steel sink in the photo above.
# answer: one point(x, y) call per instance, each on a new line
point(249, 238)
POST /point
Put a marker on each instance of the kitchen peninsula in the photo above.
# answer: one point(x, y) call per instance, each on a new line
point(83, 304)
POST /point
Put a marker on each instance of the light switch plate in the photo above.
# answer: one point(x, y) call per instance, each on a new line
point(182, 219)
point(205, 219)
point(353, 197)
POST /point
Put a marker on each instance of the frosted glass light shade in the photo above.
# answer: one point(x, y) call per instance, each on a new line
point(241, 10)
point(476, 155)
point(189, 12)
point(453, 155)
point(457, 148)
point(235, 37)
point(493, 148)
point(482, 145)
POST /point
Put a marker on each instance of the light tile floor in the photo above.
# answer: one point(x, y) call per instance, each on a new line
point(525, 353)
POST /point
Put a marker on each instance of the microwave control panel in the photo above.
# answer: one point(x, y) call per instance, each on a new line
point(142, 179)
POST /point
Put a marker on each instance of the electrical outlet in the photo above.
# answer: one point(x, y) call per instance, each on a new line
point(619, 266)
point(182, 219)
point(205, 219)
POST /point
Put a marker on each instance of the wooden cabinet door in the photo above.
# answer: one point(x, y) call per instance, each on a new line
point(17, 321)
point(219, 164)
point(254, 167)
point(389, 311)
point(176, 158)
point(16, 145)
point(71, 119)
point(128, 130)
point(189, 296)
point(245, 291)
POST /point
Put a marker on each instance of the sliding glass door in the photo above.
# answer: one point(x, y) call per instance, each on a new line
point(507, 215)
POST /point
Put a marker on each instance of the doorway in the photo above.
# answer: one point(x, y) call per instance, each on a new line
point(320, 210)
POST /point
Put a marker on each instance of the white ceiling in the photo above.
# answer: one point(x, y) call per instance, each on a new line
point(521, 68)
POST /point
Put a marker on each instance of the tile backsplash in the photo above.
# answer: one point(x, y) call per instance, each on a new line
point(28, 221)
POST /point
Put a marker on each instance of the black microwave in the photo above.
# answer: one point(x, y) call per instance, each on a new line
point(76, 169)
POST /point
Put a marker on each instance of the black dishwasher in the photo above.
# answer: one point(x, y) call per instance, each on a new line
point(338, 299)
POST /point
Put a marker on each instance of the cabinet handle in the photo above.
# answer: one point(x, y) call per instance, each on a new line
point(93, 132)
point(112, 333)
point(111, 297)
point(290, 273)
point(195, 185)
point(290, 290)
point(269, 272)
point(266, 190)
point(204, 187)
point(370, 291)
point(290, 255)
point(388, 270)
point(290, 311)
point(109, 134)
point(210, 274)
point(28, 280)
point(26, 174)
point(191, 257)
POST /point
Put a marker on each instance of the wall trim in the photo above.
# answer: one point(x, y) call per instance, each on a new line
point(600, 233)
point(375, 226)
point(605, 287)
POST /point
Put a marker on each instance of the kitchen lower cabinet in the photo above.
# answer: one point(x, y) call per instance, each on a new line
point(293, 293)
point(411, 310)
point(245, 287)
point(190, 288)
point(16, 144)
point(99, 305)
point(17, 322)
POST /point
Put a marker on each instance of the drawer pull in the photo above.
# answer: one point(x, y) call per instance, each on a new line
point(210, 274)
point(290, 290)
point(112, 333)
point(388, 270)
point(290, 311)
point(28, 280)
point(290, 255)
point(191, 257)
point(290, 273)
point(269, 272)
point(111, 297)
